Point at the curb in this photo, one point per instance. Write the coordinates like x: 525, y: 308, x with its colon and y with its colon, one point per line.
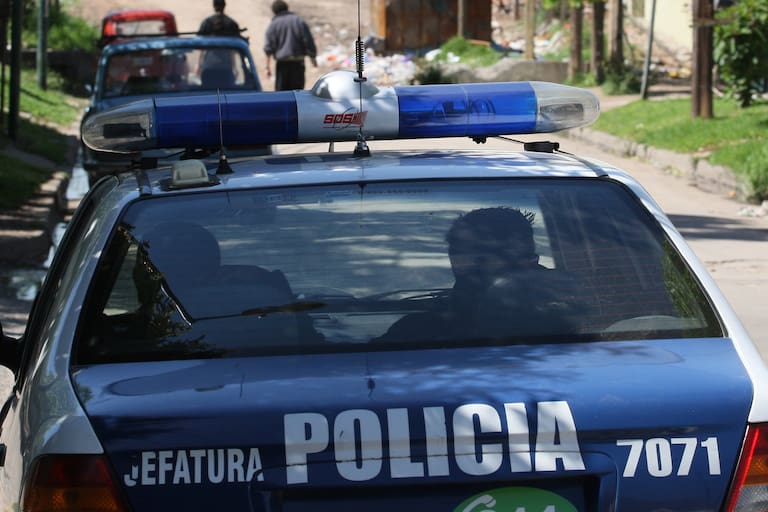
x: 715, y: 179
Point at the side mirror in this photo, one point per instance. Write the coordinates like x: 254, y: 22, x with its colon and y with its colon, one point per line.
x: 10, y: 352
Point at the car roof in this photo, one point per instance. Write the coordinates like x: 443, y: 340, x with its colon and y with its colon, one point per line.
x: 306, y: 169
x: 150, y: 43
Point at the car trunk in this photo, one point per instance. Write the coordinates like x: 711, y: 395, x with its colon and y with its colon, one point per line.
x: 631, y: 426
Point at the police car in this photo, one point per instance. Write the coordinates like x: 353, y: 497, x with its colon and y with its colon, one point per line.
x: 366, y: 329
x: 148, y: 66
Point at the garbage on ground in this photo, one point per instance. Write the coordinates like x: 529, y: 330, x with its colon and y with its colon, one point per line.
x: 387, y: 70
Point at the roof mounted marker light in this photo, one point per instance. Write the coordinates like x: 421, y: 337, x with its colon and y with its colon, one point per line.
x: 331, y: 111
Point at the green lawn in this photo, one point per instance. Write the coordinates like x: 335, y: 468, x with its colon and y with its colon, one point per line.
x: 735, y: 138
x: 45, y: 116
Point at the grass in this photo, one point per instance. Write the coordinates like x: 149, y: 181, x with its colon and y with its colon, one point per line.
x: 735, y: 138
x: 49, y: 106
x: 20, y: 181
x: 43, y: 122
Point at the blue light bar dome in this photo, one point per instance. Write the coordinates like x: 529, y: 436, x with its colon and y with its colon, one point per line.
x: 341, y: 108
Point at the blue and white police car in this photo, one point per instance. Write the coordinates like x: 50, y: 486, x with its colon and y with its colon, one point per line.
x: 367, y: 329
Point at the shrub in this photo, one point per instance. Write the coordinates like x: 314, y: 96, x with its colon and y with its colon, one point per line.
x: 65, y: 32
x: 431, y: 73
x: 622, y: 81
x: 468, y: 52
x: 741, y: 48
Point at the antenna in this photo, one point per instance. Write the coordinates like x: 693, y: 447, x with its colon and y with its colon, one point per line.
x: 361, y: 149
x: 223, y: 167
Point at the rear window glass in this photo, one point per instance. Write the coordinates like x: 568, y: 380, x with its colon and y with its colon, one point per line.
x: 176, y: 69
x: 387, y: 266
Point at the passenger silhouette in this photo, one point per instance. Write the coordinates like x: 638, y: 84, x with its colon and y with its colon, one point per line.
x: 485, y: 247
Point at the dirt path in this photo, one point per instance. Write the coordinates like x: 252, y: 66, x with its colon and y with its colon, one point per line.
x: 333, y: 22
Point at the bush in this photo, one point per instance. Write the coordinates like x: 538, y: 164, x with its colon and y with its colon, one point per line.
x: 468, y: 52
x: 65, y: 32
x: 741, y: 48
x: 622, y: 81
x: 756, y: 170
x: 431, y: 73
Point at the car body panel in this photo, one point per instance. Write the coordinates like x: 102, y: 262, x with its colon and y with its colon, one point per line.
x: 664, y: 395
x: 332, y: 168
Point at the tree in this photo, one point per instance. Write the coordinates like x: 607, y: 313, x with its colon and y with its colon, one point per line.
x: 741, y: 49
x: 530, y: 29
x: 615, y: 39
x: 701, y: 90
x: 597, y: 44
x: 575, y: 61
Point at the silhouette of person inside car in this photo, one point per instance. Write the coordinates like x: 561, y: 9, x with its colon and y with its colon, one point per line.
x: 485, y: 247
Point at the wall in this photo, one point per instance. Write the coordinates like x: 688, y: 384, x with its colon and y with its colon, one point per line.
x: 421, y: 25
x: 672, y: 22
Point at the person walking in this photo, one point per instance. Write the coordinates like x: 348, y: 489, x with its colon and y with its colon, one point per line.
x: 219, y: 24
x: 288, y: 41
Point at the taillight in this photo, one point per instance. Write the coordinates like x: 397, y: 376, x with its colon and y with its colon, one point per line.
x: 749, y: 490
x: 65, y: 483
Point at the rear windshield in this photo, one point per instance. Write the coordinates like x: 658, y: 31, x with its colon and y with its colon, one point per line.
x: 387, y: 266
x: 177, y: 69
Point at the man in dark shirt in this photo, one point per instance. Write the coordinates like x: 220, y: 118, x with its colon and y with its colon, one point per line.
x: 288, y: 40
x: 492, y: 253
x: 219, y: 24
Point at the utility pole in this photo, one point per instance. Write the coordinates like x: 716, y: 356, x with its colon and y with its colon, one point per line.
x: 701, y: 75
x: 648, y: 52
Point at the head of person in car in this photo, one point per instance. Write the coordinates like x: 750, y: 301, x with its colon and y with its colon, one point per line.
x: 490, y: 243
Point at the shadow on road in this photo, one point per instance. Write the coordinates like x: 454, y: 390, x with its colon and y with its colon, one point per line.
x: 701, y: 227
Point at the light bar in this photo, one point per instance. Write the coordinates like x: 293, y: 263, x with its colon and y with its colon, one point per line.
x: 331, y: 111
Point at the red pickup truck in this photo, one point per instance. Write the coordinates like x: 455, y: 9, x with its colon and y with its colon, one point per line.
x: 129, y: 23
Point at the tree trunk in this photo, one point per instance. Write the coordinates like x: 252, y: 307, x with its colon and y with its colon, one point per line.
x: 615, y: 42
x: 530, y: 29
x: 598, y: 41
x: 461, y: 18
x: 577, y: 30
x: 701, y: 87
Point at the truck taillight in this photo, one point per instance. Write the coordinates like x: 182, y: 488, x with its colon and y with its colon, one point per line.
x: 749, y: 490
x: 64, y: 483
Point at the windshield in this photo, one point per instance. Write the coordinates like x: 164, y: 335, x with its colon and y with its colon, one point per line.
x: 177, y: 69
x: 387, y: 266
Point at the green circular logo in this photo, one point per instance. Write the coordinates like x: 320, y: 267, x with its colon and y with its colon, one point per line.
x: 516, y: 499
